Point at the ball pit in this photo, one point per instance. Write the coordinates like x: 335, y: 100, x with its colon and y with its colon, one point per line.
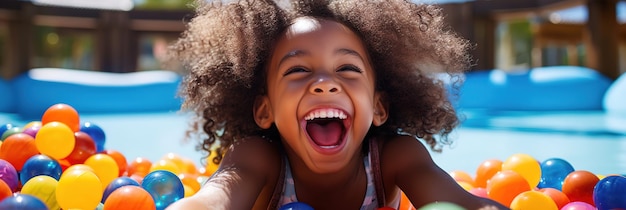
x: 92, y: 177
x: 59, y: 163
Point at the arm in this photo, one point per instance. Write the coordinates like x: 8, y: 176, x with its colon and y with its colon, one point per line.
x: 407, y: 164
x: 244, y: 180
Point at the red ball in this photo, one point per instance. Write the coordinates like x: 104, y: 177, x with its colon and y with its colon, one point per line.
x: 129, y: 197
x: 578, y: 186
x: 84, y: 148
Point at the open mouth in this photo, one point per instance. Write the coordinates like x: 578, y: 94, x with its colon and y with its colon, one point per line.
x: 326, y: 127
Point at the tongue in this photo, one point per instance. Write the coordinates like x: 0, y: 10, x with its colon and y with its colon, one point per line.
x: 327, y: 134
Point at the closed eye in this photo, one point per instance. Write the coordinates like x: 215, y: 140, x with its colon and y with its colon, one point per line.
x: 350, y: 68
x: 295, y: 69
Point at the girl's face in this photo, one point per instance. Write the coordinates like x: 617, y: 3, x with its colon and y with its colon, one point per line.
x: 320, y: 94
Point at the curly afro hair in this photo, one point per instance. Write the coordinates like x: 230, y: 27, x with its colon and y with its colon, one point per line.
x: 226, y: 45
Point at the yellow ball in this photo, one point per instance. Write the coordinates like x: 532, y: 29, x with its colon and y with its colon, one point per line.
x: 43, y: 187
x: 104, y: 166
x: 56, y: 140
x: 79, y: 189
x: 524, y: 165
x: 166, y: 165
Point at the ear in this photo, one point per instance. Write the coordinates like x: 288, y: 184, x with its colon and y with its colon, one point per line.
x: 263, y: 112
x: 381, y: 111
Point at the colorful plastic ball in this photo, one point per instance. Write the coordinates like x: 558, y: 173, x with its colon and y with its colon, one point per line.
x: 441, y: 206
x: 296, y: 206
x: 130, y: 197
x: 5, y: 190
x: 553, y: 172
x: 16, y: 149
x: 22, y: 202
x: 11, y: 131
x: 62, y: 113
x: 84, y: 148
x: 40, y: 165
x: 559, y: 198
x: 119, y: 158
x: 79, y: 183
x: 55, y: 139
x: 505, y: 186
x: 462, y: 176
x: 578, y: 205
x: 190, y: 180
x: 8, y: 174
x: 579, y: 185
x: 610, y: 193
x: 43, y: 187
x: 164, y: 186
x: 139, y: 166
x: 189, y: 167
x: 32, y: 124
x: 117, y: 183
x: 96, y: 133
x: 5, y: 127
x: 485, y: 171
x: 31, y: 131
x: 165, y: 165
x: 104, y: 166
x: 533, y: 200
x: 479, y: 191
x: 524, y: 165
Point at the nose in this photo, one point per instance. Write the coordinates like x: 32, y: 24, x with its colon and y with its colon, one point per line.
x: 324, y: 85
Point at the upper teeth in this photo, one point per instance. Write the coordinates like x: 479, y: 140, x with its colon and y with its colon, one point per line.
x: 326, y: 113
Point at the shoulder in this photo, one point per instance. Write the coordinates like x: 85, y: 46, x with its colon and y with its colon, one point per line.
x: 253, y: 153
x: 400, y: 150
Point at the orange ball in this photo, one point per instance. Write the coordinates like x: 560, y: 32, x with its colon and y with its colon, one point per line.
x: 190, y: 180
x: 557, y: 196
x: 129, y: 197
x: 17, y: 148
x: 578, y: 186
x: 462, y: 176
x: 63, y: 113
x: 119, y: 159
x: 504, y: 186
x: 139, y: 166
x: 5, y: 190
x: 485, y: 171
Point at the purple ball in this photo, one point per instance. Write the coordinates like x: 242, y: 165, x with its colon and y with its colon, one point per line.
x: 8, y: 174
x: 31, y: 131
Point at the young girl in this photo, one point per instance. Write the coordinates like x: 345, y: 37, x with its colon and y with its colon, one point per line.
x: 322, y: 102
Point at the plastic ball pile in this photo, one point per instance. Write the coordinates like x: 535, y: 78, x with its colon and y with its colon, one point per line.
x: 522, y: 182
x: 61, y: 163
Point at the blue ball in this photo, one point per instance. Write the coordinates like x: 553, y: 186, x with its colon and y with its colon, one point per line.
x: 165, y: 188
x: 22, y: 202
x: 40, y: 165
x: 553, y: 173
x: 117, y: 183
x: 96, y: 133
x: 296, y: 206
x: 610, y: 193
x: 5, y: 127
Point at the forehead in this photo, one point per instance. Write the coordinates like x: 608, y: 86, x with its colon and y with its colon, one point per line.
x: 309, y: 33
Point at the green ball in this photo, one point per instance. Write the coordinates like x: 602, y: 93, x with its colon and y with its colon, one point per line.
x: 441, y: 205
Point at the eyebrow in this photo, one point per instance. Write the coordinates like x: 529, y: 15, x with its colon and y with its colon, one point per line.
x: 296, y: 53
